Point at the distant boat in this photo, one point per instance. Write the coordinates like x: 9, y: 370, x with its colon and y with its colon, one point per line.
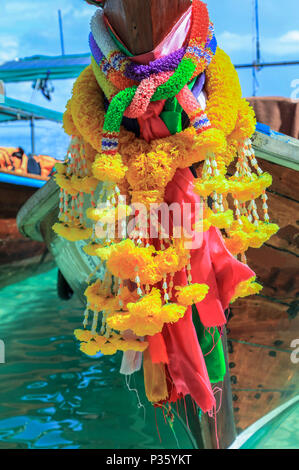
x: 20, y: 257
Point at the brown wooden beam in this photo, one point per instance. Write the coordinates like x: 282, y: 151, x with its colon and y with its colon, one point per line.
x: 142, y: 25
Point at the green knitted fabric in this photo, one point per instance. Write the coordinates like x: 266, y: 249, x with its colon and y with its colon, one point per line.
x: 214, y: 356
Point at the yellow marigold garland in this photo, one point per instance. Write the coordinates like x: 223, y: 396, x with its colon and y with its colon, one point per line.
x: 143, y: 170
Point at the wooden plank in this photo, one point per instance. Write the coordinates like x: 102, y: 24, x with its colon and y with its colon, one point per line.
x: 283, y: 212
x: 251, y: 406
x: 255, y: 367
x: 261, y: 321
x: 12, y: 198
x: 285, y: 180
x: 142, y: 25
x: 277, y: 271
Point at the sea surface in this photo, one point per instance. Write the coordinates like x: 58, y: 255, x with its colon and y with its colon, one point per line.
x: 54, y: 397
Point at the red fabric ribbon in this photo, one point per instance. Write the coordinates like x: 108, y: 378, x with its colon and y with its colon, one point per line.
x: 151, y: 125
x: 211, y: 264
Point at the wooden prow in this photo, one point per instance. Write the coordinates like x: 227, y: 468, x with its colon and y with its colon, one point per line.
x: 143, y: 24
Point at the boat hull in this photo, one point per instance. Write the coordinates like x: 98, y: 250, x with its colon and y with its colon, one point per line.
x: 262, y: 328
x: 20, y: 257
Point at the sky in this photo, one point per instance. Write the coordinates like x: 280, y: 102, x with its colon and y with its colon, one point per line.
x: 30, y: 27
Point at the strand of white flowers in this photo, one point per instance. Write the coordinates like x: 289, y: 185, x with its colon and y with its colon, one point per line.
x: 102, y: 37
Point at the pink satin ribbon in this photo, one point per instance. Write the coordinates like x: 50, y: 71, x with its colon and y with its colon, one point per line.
x: 174, y: 40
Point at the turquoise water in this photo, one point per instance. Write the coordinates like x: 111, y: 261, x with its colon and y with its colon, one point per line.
x: 280, y: 433
x: 52, y: 396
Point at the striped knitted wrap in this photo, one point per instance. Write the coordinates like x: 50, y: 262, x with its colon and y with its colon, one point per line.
x: 133, y: 86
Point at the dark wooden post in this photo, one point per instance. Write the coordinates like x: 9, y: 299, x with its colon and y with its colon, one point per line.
x: 143, y: 24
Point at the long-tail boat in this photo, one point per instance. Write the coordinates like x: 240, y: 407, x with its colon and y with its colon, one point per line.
x: 20, y: 257
x: 260, y: 330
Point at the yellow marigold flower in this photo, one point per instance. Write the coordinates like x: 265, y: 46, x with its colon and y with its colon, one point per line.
x: 221, y: 219
x: 100, y: 340
x: 237, y: 242
x: 205, y: 187
x: 65, y: 183
x: 125, y: 257
x: 92, y: 248
x: 270, y: 229
x: 224, y: 92
x: 97, y: 294
x: 72, y: 232
x: 83, y: 335
x: 265, y: 231
x: 127, y: 296
x: 245, y: 288
x: 173, y: 259
x: 108, y: 349
x: 171, y: 313
x: 211, y: 140
x: 68, y: 123
x: 148, y: 198
x: 149, y: 325
x: 108, y: 88
x: 85, y: 184
x: 143, y: 317
x: 103, y: 252
x: 250, y: 235
x: 249, y: 188
x: 61, y: 167
x: 87, y: 107
x: 91, y: 348
x: 246, y: 122
x: 130, y: 345
x: 149, y: 305
x: 92, y: 213
x: 109, y: 168
x: 109, y: 215
x: 191, y: 294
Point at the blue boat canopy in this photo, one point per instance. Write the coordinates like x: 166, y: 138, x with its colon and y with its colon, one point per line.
x: 15, y: 110
x: 43, y: 67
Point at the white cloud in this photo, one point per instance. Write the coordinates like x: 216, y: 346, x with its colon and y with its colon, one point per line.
x: 286, y: 44
x: 232, y: 42
x: 9, y: 47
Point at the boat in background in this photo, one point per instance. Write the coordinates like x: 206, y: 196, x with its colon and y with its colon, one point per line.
x: 20, y: 257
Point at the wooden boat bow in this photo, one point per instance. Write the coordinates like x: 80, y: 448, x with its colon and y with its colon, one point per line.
x: 142, y: 25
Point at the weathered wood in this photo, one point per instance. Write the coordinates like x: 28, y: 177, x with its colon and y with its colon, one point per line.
x: 278, y: 272
x: 248, y: 409
x: 261, y: 321
x: 256, y: 367
x: 19, y: 256
x: 285, y: 180
x: 142, y: 25
x: 12, y: 198
x: 284, y: 212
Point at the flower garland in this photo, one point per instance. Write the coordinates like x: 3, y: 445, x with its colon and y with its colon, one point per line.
x: 112, y: 62
x: 105, y: 162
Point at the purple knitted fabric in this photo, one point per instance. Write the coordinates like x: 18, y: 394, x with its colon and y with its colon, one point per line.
x: 168, y: 63
x: 95, y: 50
x: 139, y: 72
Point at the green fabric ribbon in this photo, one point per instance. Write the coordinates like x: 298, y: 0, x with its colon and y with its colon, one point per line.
x: 213, y: 355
